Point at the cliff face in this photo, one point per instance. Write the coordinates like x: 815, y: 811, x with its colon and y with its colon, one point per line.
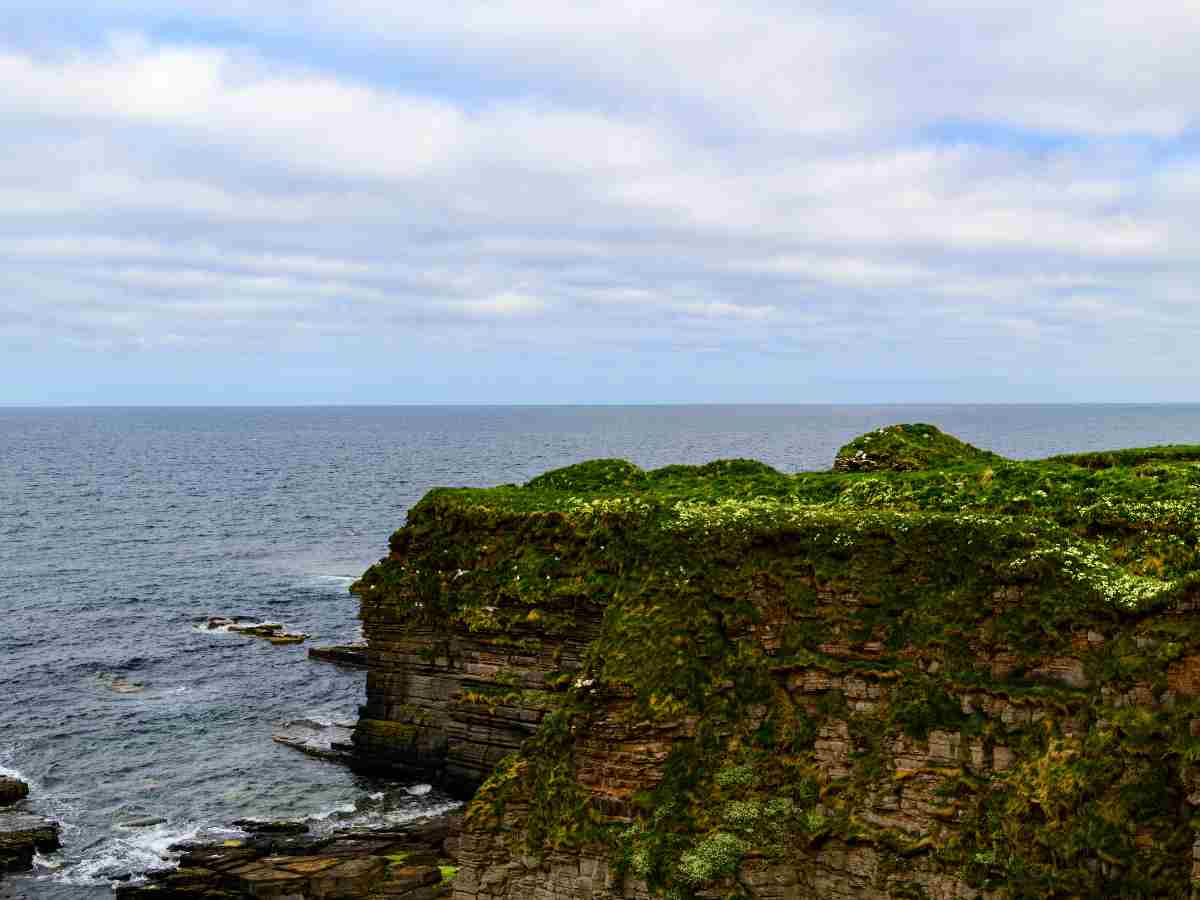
x: 924, y: 674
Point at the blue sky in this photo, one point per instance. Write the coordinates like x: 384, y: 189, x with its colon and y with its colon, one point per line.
x: 526, y: 201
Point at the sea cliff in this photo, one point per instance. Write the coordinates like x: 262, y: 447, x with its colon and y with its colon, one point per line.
x: 928, y: 673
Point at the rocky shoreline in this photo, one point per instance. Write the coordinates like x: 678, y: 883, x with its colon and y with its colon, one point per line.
x: 22, y: 835
x: 927, y: 673
x: 279, y: 860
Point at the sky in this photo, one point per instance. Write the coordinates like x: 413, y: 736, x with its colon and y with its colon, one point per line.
x: 382, y: 201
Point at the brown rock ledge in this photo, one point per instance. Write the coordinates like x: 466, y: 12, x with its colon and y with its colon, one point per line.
x: 353, y: 656
x: 22, y: 835
x: 12, y: 790
x: 413, y: 862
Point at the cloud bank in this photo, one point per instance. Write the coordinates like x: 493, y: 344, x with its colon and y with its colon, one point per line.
x: 525, y: 201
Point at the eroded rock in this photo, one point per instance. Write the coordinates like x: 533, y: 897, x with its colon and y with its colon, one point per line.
x: 12, y: 790
x: 22, y: 835
x: 415, y: 862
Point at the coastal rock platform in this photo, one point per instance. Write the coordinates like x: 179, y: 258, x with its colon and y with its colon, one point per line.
x: 413, y: 862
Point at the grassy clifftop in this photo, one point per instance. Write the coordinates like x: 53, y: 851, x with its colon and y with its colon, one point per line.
x: 936, y: 595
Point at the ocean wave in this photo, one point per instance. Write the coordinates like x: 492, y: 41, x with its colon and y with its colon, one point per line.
x: 385, y: 809
x: 9, y: 772
x: 8, y: 754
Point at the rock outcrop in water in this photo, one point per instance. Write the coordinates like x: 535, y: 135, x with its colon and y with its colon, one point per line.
x: 12, y: 790
x: 939, y: 675
x: 21, y: 835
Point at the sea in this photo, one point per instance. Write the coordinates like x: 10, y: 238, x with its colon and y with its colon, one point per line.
x: 122, y: 530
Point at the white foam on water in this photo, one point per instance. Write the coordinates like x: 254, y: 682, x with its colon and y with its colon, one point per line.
x: 402, y: 817
x: 7, y: 754
x: 337, y: 579
x: 14, y: 773
x: 383, y: 809
x: 203, y: 628
x: 340, y: 809
x: 135, y: 853
x: 44, y: 864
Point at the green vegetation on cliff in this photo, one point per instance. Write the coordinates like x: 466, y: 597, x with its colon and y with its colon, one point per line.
x: 903, y: 448
x: 1028, y: 626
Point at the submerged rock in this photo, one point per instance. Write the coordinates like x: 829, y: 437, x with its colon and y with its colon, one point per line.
x: 12, y: 790
x: 23, y: 835
x: 125, y: 686
x: 147, y: 822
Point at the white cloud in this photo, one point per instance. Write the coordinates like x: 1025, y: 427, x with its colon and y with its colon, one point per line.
x: 648, y: 175
x: 507, y: 304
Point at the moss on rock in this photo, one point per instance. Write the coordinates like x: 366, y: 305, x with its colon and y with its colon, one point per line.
x: 984, y: 671
x: 906, y: 448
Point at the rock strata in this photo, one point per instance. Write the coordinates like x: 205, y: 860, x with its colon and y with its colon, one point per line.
x: 325, y: 740
x: 23, y: 835
x: 415, y: 862
x: 351, y: 655
x: 12, y: 790
x: 932, y: 673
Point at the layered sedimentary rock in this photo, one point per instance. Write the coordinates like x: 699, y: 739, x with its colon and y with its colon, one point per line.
x: 23, y: 835
x: 12, y: 790
x: 929, y: 673
x: 279, y: 861
x: 353, y: 656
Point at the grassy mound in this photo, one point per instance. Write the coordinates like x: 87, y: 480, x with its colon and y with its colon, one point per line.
x: 907, y: 448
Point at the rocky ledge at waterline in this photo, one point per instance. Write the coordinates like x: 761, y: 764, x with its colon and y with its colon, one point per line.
x: 280, y: 860
x: 930, y: 672
x: 21, y: 835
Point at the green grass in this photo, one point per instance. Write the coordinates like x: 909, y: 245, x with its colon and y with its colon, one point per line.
x: 916, y: 549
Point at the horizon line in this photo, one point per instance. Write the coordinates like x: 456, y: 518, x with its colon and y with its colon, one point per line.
x: 527, y: 404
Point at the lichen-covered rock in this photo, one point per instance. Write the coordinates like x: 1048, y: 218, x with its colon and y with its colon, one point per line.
x: 948, y: 676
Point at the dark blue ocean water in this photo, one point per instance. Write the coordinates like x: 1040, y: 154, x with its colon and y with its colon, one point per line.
x: 119, y: 528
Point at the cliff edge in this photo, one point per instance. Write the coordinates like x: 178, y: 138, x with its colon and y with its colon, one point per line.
x: 928, y: 675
